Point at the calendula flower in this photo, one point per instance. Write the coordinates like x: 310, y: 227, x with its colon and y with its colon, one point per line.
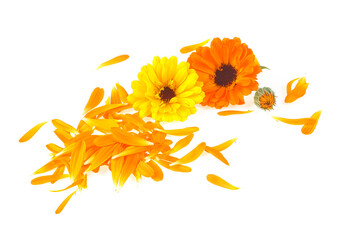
x: 166, y: 90
x: 298, y: 91
x: 265, y: 98
x: 123, y: 142
x: 228, y: 69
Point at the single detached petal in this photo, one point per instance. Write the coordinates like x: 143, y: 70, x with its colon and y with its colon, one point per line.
x: 59, y: 124
x: 122, y: 93
x: 180, y: 132
x: 298, y: 91
x: 145, y: 169
x: 193, y: 47
x: 298, y: 121
x: 182, y: 143
x: 115, y: 60
x: 225, y: 145
x: 232, y: 112
x: 128, y: 138
x: 102, y: 109
x: 70, y: 186
x: 158, y: 174
x: 129, y: 151
x: 214, y: 179
x: 94, y: 100
x: 77, y: 159
x: 27, y: 136
x: 46, y: 179
x: 309, y: 128
x: 192, y: 155
x: 64, y: 203
x: 217, y: 154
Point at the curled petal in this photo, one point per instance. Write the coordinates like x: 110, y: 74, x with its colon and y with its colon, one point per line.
x: 27, y: 136
x: 193, y: 47
x: 309, y: 128
x: 115, y: 60
x: 214, y: 179
x: 298, y: 91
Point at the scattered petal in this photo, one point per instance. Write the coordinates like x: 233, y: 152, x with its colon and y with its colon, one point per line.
x: 225, y: 145
x: 298, y: 91
x: 193, y: 47
x: 180, y: 132
x: 182, y: 143
x: 64, y: 203
x: 309, y: 128
x: 192, y: 155
x: 217, y: 154
x: 27, y: 136
x: 214, y: 179
x: 233, y: 112
x: 94, y: 100
x: 115, y: 60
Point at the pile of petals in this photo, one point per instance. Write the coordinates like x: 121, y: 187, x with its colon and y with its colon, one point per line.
x: 123, y: 142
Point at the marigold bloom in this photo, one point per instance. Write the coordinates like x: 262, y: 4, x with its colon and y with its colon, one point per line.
x: 228, y: 69
x: 298, y: 91
x: 166, y: 90
x: 265, y: 98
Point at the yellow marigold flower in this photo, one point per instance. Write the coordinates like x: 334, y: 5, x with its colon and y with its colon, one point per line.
x: 265, y: 98
x: 298, y: 91
x: 166, y: 90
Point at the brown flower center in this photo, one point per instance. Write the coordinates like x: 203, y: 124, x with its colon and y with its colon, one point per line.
x: 225, y: 75
x: 166, y: 94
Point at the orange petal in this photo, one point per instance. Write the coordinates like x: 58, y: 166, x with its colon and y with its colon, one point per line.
x: 58, y: 173
x: 122, y: 93
x: 116, y: 166
x: 54, y: 148
x: 101, y: 156
x: 181, y: 143
x: 299, y: 121
x: 214, y: 179
x: 27, y: 136
x: 70, y: 186
x: 99, y: 110
x: 180, y: 132
x: 298, y: 91
x: 309, y: 128
x: 192, y: 155
x: 232, y: 112
x: 129, y: 151
x: 128, y: 138
x: 64, y: 136
x: 216, y: 154
x: 94, y: 100
x: 104, y: 140
x: 48, y: 167
x: 224, y: 145
x: 77, y: 159
x: 64, y: 203
x: 158, y: 174
x: 103, y: 125
x: 193, y: 47
x: 115, y: 60
x: 145, y: 169
x: 46, y: 179
x: 59, y: 124
x: 129, y: 167
x: 175, y: 168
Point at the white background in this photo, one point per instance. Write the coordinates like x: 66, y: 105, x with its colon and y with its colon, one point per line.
x: 290, y: 184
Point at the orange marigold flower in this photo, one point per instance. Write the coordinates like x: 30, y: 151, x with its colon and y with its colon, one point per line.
x: 228, y: 69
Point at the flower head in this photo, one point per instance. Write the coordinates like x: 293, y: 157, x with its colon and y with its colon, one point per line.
x: 166, y: 90
x: 265, y: 98
x: 228, y: 69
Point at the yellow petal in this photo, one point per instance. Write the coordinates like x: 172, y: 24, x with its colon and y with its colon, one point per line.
x: 48, y: 167
x: 181, y: 143
x: 145, y: 169
x: 128, y: 138
x: 103, y: 125
x: 58, y: 173
x: 216, y: 154
x: 309, y: 128
x: 224, y: 145
x: 102, y: 155
x: 64, y: 203
x: 129, y: 167
x: 64, y: 136
x: 27, y: 136
x: 116, y: 166
x: 192, y: 155
x: 54, y: 148
x: 298, y: 121
x: 214, y: 179
x: 232, y: 112
x: 175, y: 168
x: 193, y: 47
x: 77, y: 159
x: 115, y: 60
x: 180, y: 132
x: 59, y: 124
x: 94, y: 100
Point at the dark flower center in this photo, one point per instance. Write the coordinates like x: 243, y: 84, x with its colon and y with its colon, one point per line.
x: 166, y: 94
x: 225, y: 75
